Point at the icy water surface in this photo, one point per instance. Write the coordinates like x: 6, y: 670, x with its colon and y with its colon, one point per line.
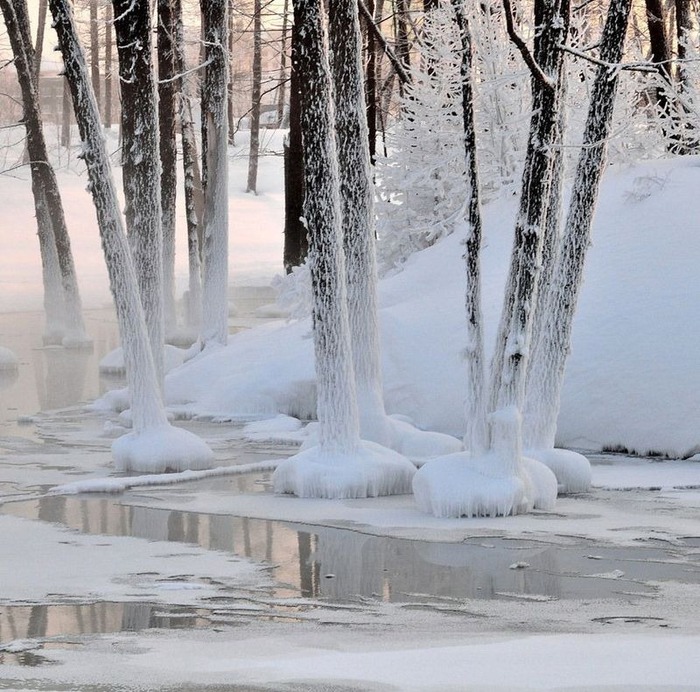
x: 340, y: 565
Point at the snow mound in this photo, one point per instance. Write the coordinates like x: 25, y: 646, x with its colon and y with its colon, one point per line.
x: 572, y: 470
x: 8, y: 360
x: 418, y: 444
x: 159, y: 449
x: 279, y: 429
x: 459, y: 485
x: 369, y: 471
x: 113, y: 362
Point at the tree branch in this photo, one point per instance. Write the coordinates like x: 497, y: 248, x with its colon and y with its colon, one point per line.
x: 530, y: 61
x: 404, y: 76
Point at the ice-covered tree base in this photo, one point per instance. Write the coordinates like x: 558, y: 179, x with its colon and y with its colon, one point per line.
x: 77, y: 340
x: 459, y: 485
x: 368, y: 471
x: 160, y: 449
x: 400, y: 435
x: 572, y: 470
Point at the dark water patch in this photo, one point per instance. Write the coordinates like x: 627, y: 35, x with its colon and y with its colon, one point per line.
x: 342, y: 566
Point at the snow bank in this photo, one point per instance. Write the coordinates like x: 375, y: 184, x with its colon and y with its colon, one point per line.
x: 632, y: 380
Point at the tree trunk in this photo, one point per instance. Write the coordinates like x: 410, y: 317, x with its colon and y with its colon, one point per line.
x: 508, y: 368
x: 39, y: 45
x: 231, y: 114
x: 62, y: 297
x: 194, y: 195
x: 296, y: 244
x: 337, y: 406
x: 108, y: 66
x: 371, y: 87
x: 146, y: 403
x: 95, y: 52
x: 548, y: 370
x: 475, y: 439
x: 282, y: 90
x: 167, y: 96
x: 254, y: 151
x: 66, y: 115
x: 215, y: 236
x: 357, y: 215
x: 403, y: 49
x: 140, y: 161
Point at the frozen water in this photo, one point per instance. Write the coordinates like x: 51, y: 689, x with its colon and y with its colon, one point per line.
x: 8, y: 360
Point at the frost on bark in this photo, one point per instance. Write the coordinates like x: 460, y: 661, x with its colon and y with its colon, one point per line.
x: 548, y: 367
x: 140, y: 161
x: 154, y: 445
x: 64, y: 319
x: 167, y: 110
x: 215, y: 127
x: 341, y: 465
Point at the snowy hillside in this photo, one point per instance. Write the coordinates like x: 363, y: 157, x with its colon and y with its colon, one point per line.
x: 633, y: 378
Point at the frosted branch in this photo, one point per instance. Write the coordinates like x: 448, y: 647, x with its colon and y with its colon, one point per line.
x: 182, y: 75
x: 401, y: 73
x: 529, y: 59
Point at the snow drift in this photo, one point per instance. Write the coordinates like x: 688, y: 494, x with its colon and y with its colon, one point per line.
x: 632, y: 380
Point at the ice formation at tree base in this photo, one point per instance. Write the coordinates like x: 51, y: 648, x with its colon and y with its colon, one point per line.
x: 397, y: 433
x: 459, y: 485
x: 572, y: 470
x: 368, y: 471
x: 160, y: 449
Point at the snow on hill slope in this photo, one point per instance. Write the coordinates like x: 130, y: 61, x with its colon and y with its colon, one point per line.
x: 633, y: 379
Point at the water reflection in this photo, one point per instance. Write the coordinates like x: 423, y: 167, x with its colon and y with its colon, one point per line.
x: 22, y: 622
x: 342, y: 565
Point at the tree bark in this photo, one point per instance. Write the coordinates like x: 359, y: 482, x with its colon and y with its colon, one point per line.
x: 109, y: 46
x: 95, y: 52
x: 282, y: 90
